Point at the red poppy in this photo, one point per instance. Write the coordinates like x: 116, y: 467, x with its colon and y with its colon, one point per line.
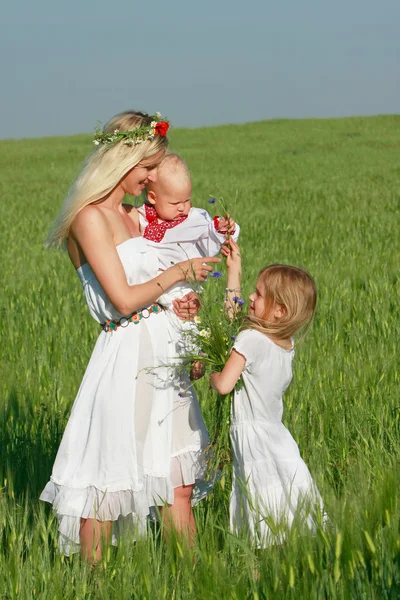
x: 162, y: 128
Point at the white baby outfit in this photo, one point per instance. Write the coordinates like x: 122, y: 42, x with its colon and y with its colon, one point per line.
x: 270, y: 479
x: 193, y: 236
x: 135, y: 431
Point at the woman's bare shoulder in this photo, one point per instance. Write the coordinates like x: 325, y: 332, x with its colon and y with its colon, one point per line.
x: 90, y: 217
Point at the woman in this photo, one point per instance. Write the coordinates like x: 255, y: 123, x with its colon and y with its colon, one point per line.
x: 135, y: 437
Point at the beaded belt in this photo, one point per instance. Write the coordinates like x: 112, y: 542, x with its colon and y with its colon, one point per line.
x: 134, y: 318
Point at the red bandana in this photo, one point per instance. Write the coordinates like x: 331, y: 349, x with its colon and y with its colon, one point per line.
x: 155, y: 231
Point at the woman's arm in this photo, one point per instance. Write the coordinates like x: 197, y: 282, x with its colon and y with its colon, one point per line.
x: 225, y: 381
x: 93, y: 234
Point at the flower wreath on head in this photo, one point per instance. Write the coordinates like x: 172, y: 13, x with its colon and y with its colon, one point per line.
x: 134, y: 136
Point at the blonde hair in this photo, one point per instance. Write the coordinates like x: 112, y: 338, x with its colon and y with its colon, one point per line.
x: 294, y: 289
x: 171, y: 165
x: 104, y: 169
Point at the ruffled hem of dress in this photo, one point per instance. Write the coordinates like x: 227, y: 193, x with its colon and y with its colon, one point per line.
x: 128, y: 508
x: 249, y: 511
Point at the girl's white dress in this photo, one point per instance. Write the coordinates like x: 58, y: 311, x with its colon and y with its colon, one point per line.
x: 270, y: 479
x: 135, y: 431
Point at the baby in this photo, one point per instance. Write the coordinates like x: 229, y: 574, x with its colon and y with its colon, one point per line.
x: 171, y: 225
x: 177, y: 230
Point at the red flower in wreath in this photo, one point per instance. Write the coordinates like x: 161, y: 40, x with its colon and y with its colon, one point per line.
x: 162, y: 128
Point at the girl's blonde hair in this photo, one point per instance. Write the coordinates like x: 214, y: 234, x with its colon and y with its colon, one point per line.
x: 104, y: 170
x: 294, y: 289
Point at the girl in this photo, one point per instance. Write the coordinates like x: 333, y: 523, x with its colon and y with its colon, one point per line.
x: 130, y: 443
x: 270, y: 480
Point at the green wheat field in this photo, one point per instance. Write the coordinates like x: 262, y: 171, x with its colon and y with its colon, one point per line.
x: 324, y: 194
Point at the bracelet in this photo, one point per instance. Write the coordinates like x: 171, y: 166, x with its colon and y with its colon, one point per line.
x: 234, y: 290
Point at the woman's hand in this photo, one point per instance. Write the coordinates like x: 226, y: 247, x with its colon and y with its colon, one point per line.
x: 196, y: 269
x: 187, y: 308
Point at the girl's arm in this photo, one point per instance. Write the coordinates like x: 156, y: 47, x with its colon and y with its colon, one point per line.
x: 233, y: 296
x: 93, y: 234
x: 225, y: 381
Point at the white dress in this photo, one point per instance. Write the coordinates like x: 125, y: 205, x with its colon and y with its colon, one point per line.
x: 270, y: 479
x: 135, y: 431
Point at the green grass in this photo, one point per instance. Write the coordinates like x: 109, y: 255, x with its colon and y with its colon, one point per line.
x: 323, y: 194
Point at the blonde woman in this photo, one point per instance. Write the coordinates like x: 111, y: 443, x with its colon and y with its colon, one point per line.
x: 134, y: 440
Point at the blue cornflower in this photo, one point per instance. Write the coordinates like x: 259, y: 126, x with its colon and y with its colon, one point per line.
x: 180, y: 395
x: 233, y: 337
x: 212, y: 201
x: 216, y: 274
x: 238, y: 301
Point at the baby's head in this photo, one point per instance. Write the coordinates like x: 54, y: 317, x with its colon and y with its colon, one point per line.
x: 284, y: 301
x: 170, y: 193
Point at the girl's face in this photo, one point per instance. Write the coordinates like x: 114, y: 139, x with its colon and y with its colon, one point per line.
x: 135, y: 180
x: 257, y: 302
x: 258, y: 306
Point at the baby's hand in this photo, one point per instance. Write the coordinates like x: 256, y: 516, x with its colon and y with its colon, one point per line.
x: 197, y: 370
x: 187, y: 308
x: 225, y: 224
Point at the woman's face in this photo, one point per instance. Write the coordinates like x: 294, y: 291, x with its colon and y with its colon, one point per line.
x: 135, y: 180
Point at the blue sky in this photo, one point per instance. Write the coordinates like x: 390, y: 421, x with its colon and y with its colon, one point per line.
x: 66, y: 66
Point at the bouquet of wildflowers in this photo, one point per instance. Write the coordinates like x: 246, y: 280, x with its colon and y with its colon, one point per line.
x: 210, y: 343
x: 214, y: 338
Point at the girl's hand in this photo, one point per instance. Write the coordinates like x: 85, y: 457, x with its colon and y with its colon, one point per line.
x: 197, y: 370
x: 196, y: 269
x: 232, y: 252
x: 187, y: 308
